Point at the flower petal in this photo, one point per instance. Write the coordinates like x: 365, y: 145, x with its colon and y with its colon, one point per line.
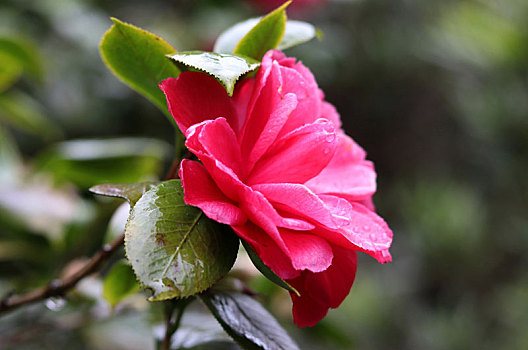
x: 194, y: 97
x: 329, y: 112
x: 261, y: 212
x: 225, y: 178
x: 244, y: 90
x: 298, y: 156
x: 201, y: 191
x: 299, y: 80
x: 218, y: 140
x: 268, y: 251
x: 306, y: 251
x: 347, y: 175
x: 269, y: 134
x: 366, y: 231
x: 268, y: 110
x: 300, y: 200
x: 323, y: 290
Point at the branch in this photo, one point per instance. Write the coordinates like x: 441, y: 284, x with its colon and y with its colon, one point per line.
x: 62, y: 286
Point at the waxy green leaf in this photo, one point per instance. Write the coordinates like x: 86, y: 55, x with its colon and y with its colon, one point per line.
x: 266, y: 271
x: 131, y: 192
x: 137, y: 57
x: 296, y: 33
x: 226, y: 68
x: 119, y: 283
x: 174, y: 249
x: 248, y: 322
x: 267, y: 34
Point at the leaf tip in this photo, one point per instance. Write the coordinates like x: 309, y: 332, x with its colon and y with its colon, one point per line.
x: 284, y: 5
x: 116, y: 20
x: 95, y: 189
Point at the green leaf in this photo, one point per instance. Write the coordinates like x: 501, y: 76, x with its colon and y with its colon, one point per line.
x: 174, y: 249
x: 264, y: 36
x: 10, y: 71
x: 137, y: 57
x: 248, y: 322
x: 226, y: 68
x: 131, y: 192
x: 266, y: 271
x: 86, y: 163
x: 25, y: 113
x: 25, y: 53
x: 119, y: 283
x: 296, y: 33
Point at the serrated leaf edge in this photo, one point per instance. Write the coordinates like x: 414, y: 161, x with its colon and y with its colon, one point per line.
x: 116, y: 24
x: 217, y: 78
x: 161, y: 296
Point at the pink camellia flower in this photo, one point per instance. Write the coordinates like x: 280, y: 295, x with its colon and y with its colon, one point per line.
x: 276, y: 167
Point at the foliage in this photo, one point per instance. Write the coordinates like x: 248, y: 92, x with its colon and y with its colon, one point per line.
x: 138, y: 58
x: 248, y: 322
x: 225, y: 68
x: 175, y: 250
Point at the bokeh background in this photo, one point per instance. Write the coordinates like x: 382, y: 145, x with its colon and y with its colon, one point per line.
x: 436, y: 91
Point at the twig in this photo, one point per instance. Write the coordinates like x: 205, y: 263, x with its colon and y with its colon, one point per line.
x: 172, y: 326
x: 166, y: 344
x: 60, y: 287
x: 175, y: 166
x: 173, y: 171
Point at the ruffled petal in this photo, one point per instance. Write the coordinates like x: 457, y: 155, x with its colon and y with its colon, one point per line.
x: 194, y: 97
x: 303, y: 251
x: 329, y: 112
x: 300, y: 200
x: 201, y: 191
x: 347, y: 175
x: 270, y: 131
x: 241, y: 97
x: 366, y: 231
x: 268, y: 110
x: 298, y: 79
x: 298, y: 156
x: 306, y: 251
x: 266, y: 97
x: 268, y: 251
x: 216, y: 139
x: 323, y: 290
x: 225, y: 178
x: 261, y: 212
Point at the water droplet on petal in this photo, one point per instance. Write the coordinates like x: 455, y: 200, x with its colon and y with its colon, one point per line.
x: 355, y: 229
x: 366, y: 228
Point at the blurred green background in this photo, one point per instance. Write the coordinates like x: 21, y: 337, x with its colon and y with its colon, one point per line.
x: 436, y: 91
